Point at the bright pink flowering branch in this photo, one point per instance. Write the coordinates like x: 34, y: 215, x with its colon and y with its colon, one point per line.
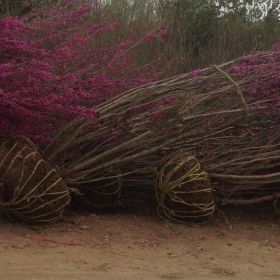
x: 55, y: 65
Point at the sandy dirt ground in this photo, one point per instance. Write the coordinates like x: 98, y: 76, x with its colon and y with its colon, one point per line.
x: 139, y: 247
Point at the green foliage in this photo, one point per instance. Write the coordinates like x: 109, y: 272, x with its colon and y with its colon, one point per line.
x: 193, y: 25
x: 206, y: 32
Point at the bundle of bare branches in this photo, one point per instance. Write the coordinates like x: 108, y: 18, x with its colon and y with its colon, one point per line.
x: 30, y: 189
x: 183, y: 190
x: 226, y: 116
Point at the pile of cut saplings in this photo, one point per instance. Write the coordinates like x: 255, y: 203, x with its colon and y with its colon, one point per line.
x: 184, y: 144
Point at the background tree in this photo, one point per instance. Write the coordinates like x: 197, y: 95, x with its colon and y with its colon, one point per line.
x: 201, y: 32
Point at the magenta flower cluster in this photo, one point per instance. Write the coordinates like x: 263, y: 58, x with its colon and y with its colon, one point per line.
x: 58, y: 63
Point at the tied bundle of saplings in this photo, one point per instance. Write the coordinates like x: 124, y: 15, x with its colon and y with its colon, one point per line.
x: 136, y: 129
x: 183, y: 189
x: 243, y: 166
x: 243, y: 163
x: 31, y: 190
x: 250, y: 170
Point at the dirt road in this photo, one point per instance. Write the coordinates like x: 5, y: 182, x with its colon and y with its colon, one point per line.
x: 138, y: 247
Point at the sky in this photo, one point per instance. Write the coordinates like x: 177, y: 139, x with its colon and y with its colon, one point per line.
x: 261, y: 6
